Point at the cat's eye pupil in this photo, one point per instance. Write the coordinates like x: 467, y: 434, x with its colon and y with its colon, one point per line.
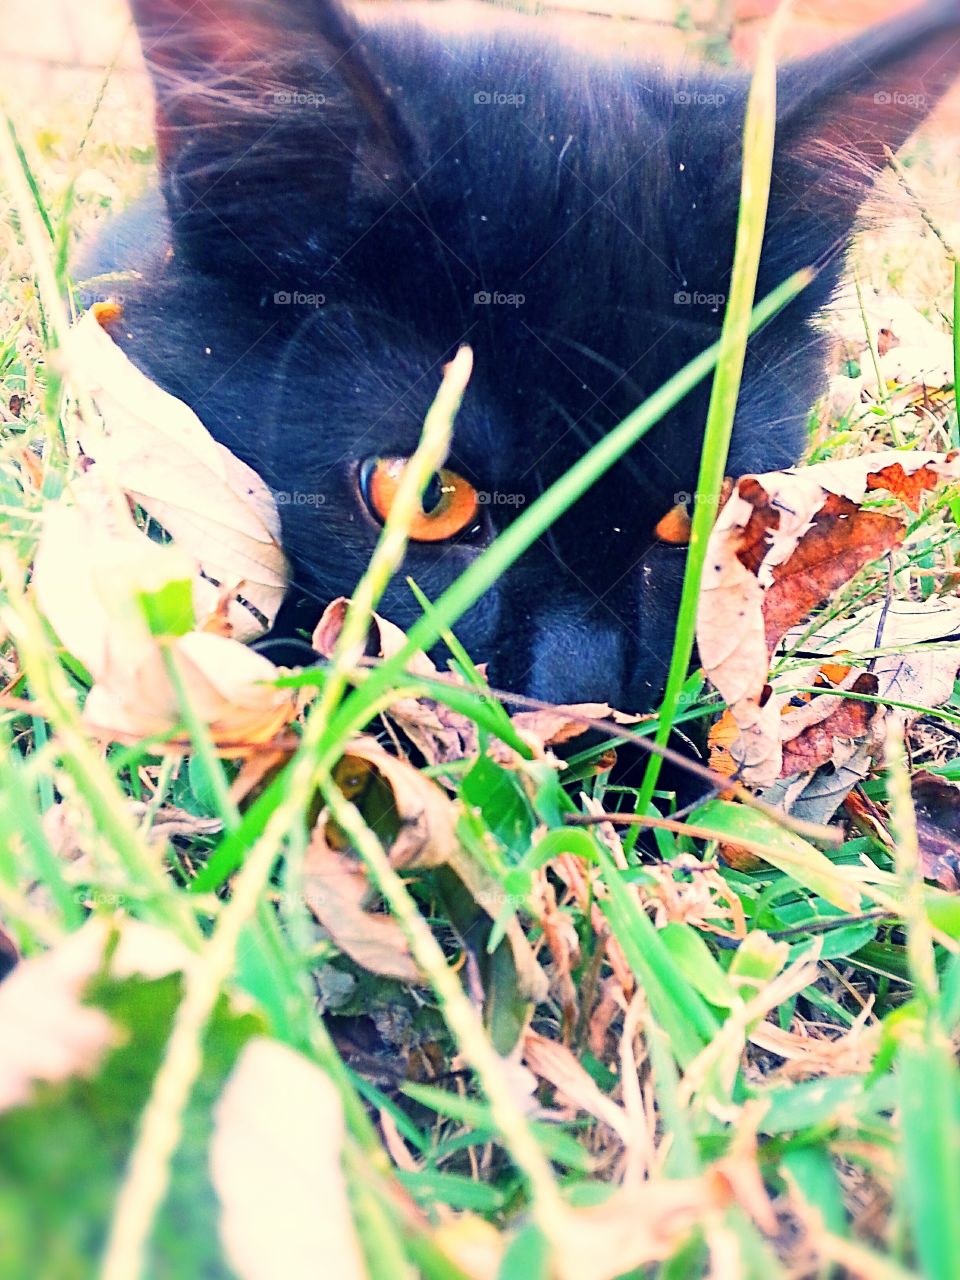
x: 433, y: 494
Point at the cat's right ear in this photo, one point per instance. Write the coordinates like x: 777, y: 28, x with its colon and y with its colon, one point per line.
x: 267, y: 110
x: 840, y: 114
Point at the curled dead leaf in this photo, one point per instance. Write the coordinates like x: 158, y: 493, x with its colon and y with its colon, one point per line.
x: 411, y: 815
x: 811, y: 732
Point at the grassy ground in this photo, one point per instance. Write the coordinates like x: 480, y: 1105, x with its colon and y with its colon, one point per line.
x: 603, y: 1062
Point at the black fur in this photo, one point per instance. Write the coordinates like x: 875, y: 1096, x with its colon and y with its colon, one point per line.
x: 603, y: 197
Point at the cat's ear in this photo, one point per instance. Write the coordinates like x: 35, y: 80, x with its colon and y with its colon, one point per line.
x: 840, y: 112
x: 269, y: 112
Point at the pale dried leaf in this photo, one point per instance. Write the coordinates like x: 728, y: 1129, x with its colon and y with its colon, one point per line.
x: 158, y: 451
x: 49, y: 1034
x: 275, y: 1161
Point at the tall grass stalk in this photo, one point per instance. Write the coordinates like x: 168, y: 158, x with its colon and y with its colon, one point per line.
x: 758, y: 143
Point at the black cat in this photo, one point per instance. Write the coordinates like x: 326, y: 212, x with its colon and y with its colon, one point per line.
x: 344, y: 201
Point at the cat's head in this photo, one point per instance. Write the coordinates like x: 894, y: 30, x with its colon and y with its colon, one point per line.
x: 350, y: 201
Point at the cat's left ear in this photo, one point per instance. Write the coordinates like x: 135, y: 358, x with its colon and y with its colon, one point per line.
x: 840, y: 111
x: 274, y: 126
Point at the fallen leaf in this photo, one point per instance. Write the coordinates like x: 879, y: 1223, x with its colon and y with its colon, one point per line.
x: 811, y: 732
x: 553, y: 726
x: 49, y: 1034
x: 781, y: 545
x: 816, y: 797
x: 277, y: 1170
x: 885, y: 623
x: 937, y: 805
x: 336, y: 890
x: 94, y: 577
x: 412, y: 816
x: 156, y: 450
x: 416, y: 821
x: 229, y: 687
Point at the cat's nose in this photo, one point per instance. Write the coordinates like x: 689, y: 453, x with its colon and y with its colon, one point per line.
x: 575, y: 657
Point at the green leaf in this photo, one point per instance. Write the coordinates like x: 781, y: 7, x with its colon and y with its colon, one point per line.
x: 455, y: 1190
x: 556, y: 1143
x: 698, y: 964
x: 169, y: 609
x: 527, y: 1258
x: 928, y: 1080
x: 813, y: 1172
x: 677, y: 1007
x: 789, y: 853
x: 66, y: 1149
x: 825, y: 1104
x: 497, y: 793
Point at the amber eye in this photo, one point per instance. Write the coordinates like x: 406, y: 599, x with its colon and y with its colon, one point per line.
x: 450, y: 504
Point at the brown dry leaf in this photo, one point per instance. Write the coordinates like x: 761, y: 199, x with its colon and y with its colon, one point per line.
x: 814, y: 1053
x: 705, y: 900
x: 277, y: 1170
x: 867, y: 818
x: 563, y: 943
x: 258, y: 771
x: 336, y: 890
x: 937, y: 805
x: 416, y: 822
x: 229, y: 687
x: 157, y: 451
x: 782, y: 544
x: 723, y: 734
x: 556, y: 1064
x: 552, y: 726
x: 811, y: 732
x: 384, y: 638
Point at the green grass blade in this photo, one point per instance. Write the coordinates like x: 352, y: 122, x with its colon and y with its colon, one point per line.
x: 759, y: 128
